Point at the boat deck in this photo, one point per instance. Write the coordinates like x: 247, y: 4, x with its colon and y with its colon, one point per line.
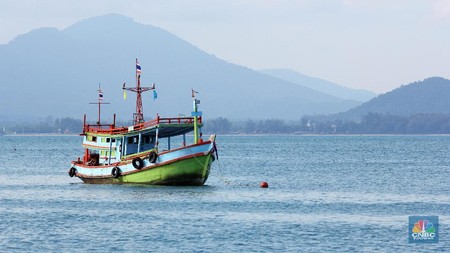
x: 167, y: 127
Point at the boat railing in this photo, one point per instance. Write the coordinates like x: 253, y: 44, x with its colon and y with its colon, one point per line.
x: 96, y: 128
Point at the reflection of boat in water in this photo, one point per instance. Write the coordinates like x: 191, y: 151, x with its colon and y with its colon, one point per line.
x: 131, y: 154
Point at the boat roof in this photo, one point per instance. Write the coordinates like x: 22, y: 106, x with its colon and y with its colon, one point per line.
x: 166, y: 127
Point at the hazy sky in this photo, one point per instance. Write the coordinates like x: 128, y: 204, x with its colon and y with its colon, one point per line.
x: 371, y: 44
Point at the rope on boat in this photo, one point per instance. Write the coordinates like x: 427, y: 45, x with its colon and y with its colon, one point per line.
x: 220, y: 175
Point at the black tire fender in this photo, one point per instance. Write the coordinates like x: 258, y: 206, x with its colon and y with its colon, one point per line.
x: 137, y: 163
x: 115, y: 172
x: 152, y: 157
x: 72, y: 172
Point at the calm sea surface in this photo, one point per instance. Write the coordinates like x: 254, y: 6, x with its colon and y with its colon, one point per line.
x: 326, y: 193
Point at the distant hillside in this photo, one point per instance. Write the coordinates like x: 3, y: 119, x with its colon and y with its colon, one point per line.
x: 321, y: 85
x: 431, y: 95
x: 52, y: 72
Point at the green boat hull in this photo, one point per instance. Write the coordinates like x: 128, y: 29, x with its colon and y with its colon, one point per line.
x: 190, y: 171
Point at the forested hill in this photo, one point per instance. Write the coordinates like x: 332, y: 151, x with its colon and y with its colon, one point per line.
x: 57, y: 72
x: 431, y: 95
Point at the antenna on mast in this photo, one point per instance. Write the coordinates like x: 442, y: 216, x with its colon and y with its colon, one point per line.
x: 100, y: 102
x: 138, y: 116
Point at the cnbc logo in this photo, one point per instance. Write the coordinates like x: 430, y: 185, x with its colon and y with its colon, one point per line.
x: 423, y: 229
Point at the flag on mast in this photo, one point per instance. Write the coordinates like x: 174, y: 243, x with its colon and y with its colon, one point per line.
x: 124, y: 92
x: 138, y: 67
x: 100, y: 93
x: 193, y: 92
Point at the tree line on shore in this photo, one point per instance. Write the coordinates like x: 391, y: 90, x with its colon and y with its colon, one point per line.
x: 64, y: 125
x: 371, y: 123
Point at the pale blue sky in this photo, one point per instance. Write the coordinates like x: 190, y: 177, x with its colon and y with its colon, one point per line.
x: 371, y: 44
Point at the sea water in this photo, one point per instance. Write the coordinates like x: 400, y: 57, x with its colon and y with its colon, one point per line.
x: 326, y: 193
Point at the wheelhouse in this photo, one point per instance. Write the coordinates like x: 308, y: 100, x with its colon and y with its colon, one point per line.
x: 106, y: 146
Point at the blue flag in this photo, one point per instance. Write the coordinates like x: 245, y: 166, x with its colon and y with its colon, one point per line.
x: 155, y: 95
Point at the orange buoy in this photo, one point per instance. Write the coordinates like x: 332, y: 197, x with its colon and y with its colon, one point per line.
x: 264, y: 184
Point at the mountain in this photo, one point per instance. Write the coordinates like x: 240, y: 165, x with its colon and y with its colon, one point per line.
x: 321, y: 85
x: 431, y: 95
x: 53, y: 72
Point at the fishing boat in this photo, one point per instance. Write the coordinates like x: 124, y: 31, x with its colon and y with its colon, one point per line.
x: 135, y: 153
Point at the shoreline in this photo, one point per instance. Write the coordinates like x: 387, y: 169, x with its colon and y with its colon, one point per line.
x: 40, y: 134
x: 234, y: 134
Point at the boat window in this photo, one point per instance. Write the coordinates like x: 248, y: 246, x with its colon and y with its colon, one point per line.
x: 106, y: 153
x: 133, y: 140
x: 91, y: 138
